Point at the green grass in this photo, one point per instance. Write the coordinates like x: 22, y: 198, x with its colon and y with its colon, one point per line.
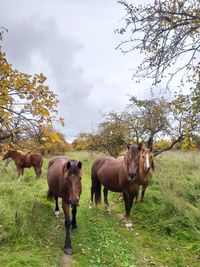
x: 166, y: 230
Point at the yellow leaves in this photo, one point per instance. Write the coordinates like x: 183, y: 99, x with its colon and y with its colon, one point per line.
x: 45, y: 112
x: 188, y: 144
x: 27, y: 93
x: 62, y: 121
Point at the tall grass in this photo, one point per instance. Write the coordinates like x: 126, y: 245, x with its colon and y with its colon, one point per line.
x: 166, y: 229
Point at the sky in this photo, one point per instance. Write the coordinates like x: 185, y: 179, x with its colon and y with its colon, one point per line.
x: 73, y: 44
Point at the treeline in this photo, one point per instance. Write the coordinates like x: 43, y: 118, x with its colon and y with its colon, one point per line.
x: 159, y: 123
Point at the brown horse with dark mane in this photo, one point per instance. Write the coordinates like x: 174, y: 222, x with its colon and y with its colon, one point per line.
x: 64, y: 181
x: 120, y: 176
x: 25, y: 160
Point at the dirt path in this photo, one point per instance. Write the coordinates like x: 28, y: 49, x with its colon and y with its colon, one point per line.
x: 67, y: 260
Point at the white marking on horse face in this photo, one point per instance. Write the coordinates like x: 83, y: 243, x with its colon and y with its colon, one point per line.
x: 147, y: 162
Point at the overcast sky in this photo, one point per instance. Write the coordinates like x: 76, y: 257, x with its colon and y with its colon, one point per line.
x: 73, y: 44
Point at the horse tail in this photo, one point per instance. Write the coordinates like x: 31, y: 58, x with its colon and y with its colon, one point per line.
x: 96, y: 186
x: 50, y: 195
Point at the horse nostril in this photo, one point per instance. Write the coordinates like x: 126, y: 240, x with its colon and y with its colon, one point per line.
x: 133, y: 175
x: 73, y: 202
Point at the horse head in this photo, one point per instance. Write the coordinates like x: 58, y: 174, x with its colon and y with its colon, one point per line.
x: 146, y: 160
x: 7, y: 154
x: 72, y: 172
x: 131, y: 160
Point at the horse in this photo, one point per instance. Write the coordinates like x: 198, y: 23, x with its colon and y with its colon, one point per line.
x: 146, y: 168
x: 64, y: 181
x: 25, y: 160
x: 117, y: 176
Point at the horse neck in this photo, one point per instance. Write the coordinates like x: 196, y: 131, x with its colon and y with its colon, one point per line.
x: 13, y: 155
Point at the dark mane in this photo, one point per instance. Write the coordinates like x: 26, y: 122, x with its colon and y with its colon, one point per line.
x: 74, y: 168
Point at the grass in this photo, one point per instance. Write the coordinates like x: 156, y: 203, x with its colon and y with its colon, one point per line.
x: 166, y: 229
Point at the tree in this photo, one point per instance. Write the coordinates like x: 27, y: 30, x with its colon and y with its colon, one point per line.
x: 25, y: 101
x: 155, y: 120
x: 163, y: 31
x: 110, y: 137
x: 147, y: 120
x: 46, y: 141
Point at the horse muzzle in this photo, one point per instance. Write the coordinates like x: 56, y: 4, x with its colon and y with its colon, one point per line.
x: 132, y: 176
x: 74, y: 202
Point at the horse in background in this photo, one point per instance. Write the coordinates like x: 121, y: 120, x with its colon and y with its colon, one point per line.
x: 64, y: 181
x: 25, y: 160
x: 117, y: 176
x: 146, y: 169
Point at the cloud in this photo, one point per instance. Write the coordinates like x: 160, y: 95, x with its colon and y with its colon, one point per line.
x: 34, y: 45
x: 73, y: 44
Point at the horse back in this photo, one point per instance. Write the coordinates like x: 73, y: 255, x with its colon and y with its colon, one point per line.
x: 33, y: 159
x: 108, y: 171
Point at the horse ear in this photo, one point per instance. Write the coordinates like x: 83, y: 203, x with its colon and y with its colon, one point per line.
x: 128, y: 146
x: 79, y: 165
x: 140, y: 146
x: 69, y: 165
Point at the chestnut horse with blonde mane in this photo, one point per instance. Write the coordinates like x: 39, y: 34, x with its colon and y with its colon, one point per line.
x: 121, y: 175
x: 146, y: 169
x: 25, y: 160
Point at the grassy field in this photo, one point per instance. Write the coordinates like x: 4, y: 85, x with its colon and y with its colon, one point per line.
x: 166, y: 230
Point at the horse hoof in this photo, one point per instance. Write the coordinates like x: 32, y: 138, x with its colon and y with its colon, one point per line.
x: 74, y: 230
x: 57, y: 213
x: 68, y: 251
x: 91, y: 205
x: 129, y: 225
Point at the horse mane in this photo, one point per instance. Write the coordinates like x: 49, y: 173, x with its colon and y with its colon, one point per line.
x: 74, y: 168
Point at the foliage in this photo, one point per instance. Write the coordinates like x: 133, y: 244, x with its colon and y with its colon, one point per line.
x: 25, y: 101
x: 163, y: 31
x: 110, y: 137
x: 148, y: 121
x: 188, y: 144
x: 46, y: 141
x: 51, y: 141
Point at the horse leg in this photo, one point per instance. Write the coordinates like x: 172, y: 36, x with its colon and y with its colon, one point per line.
x: 39, y: 172
x: 92, y: 196
x: 95, y: 188
x: 143, y: 192
x: 67, y: 246
x: 18, y: 171
x: 105, y: 193
x: 74, y: 225
x: 36, y: 172
x: 22, y: 171
x: 128, y: 201
x: 136, y: 197
x: 57, y: 207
